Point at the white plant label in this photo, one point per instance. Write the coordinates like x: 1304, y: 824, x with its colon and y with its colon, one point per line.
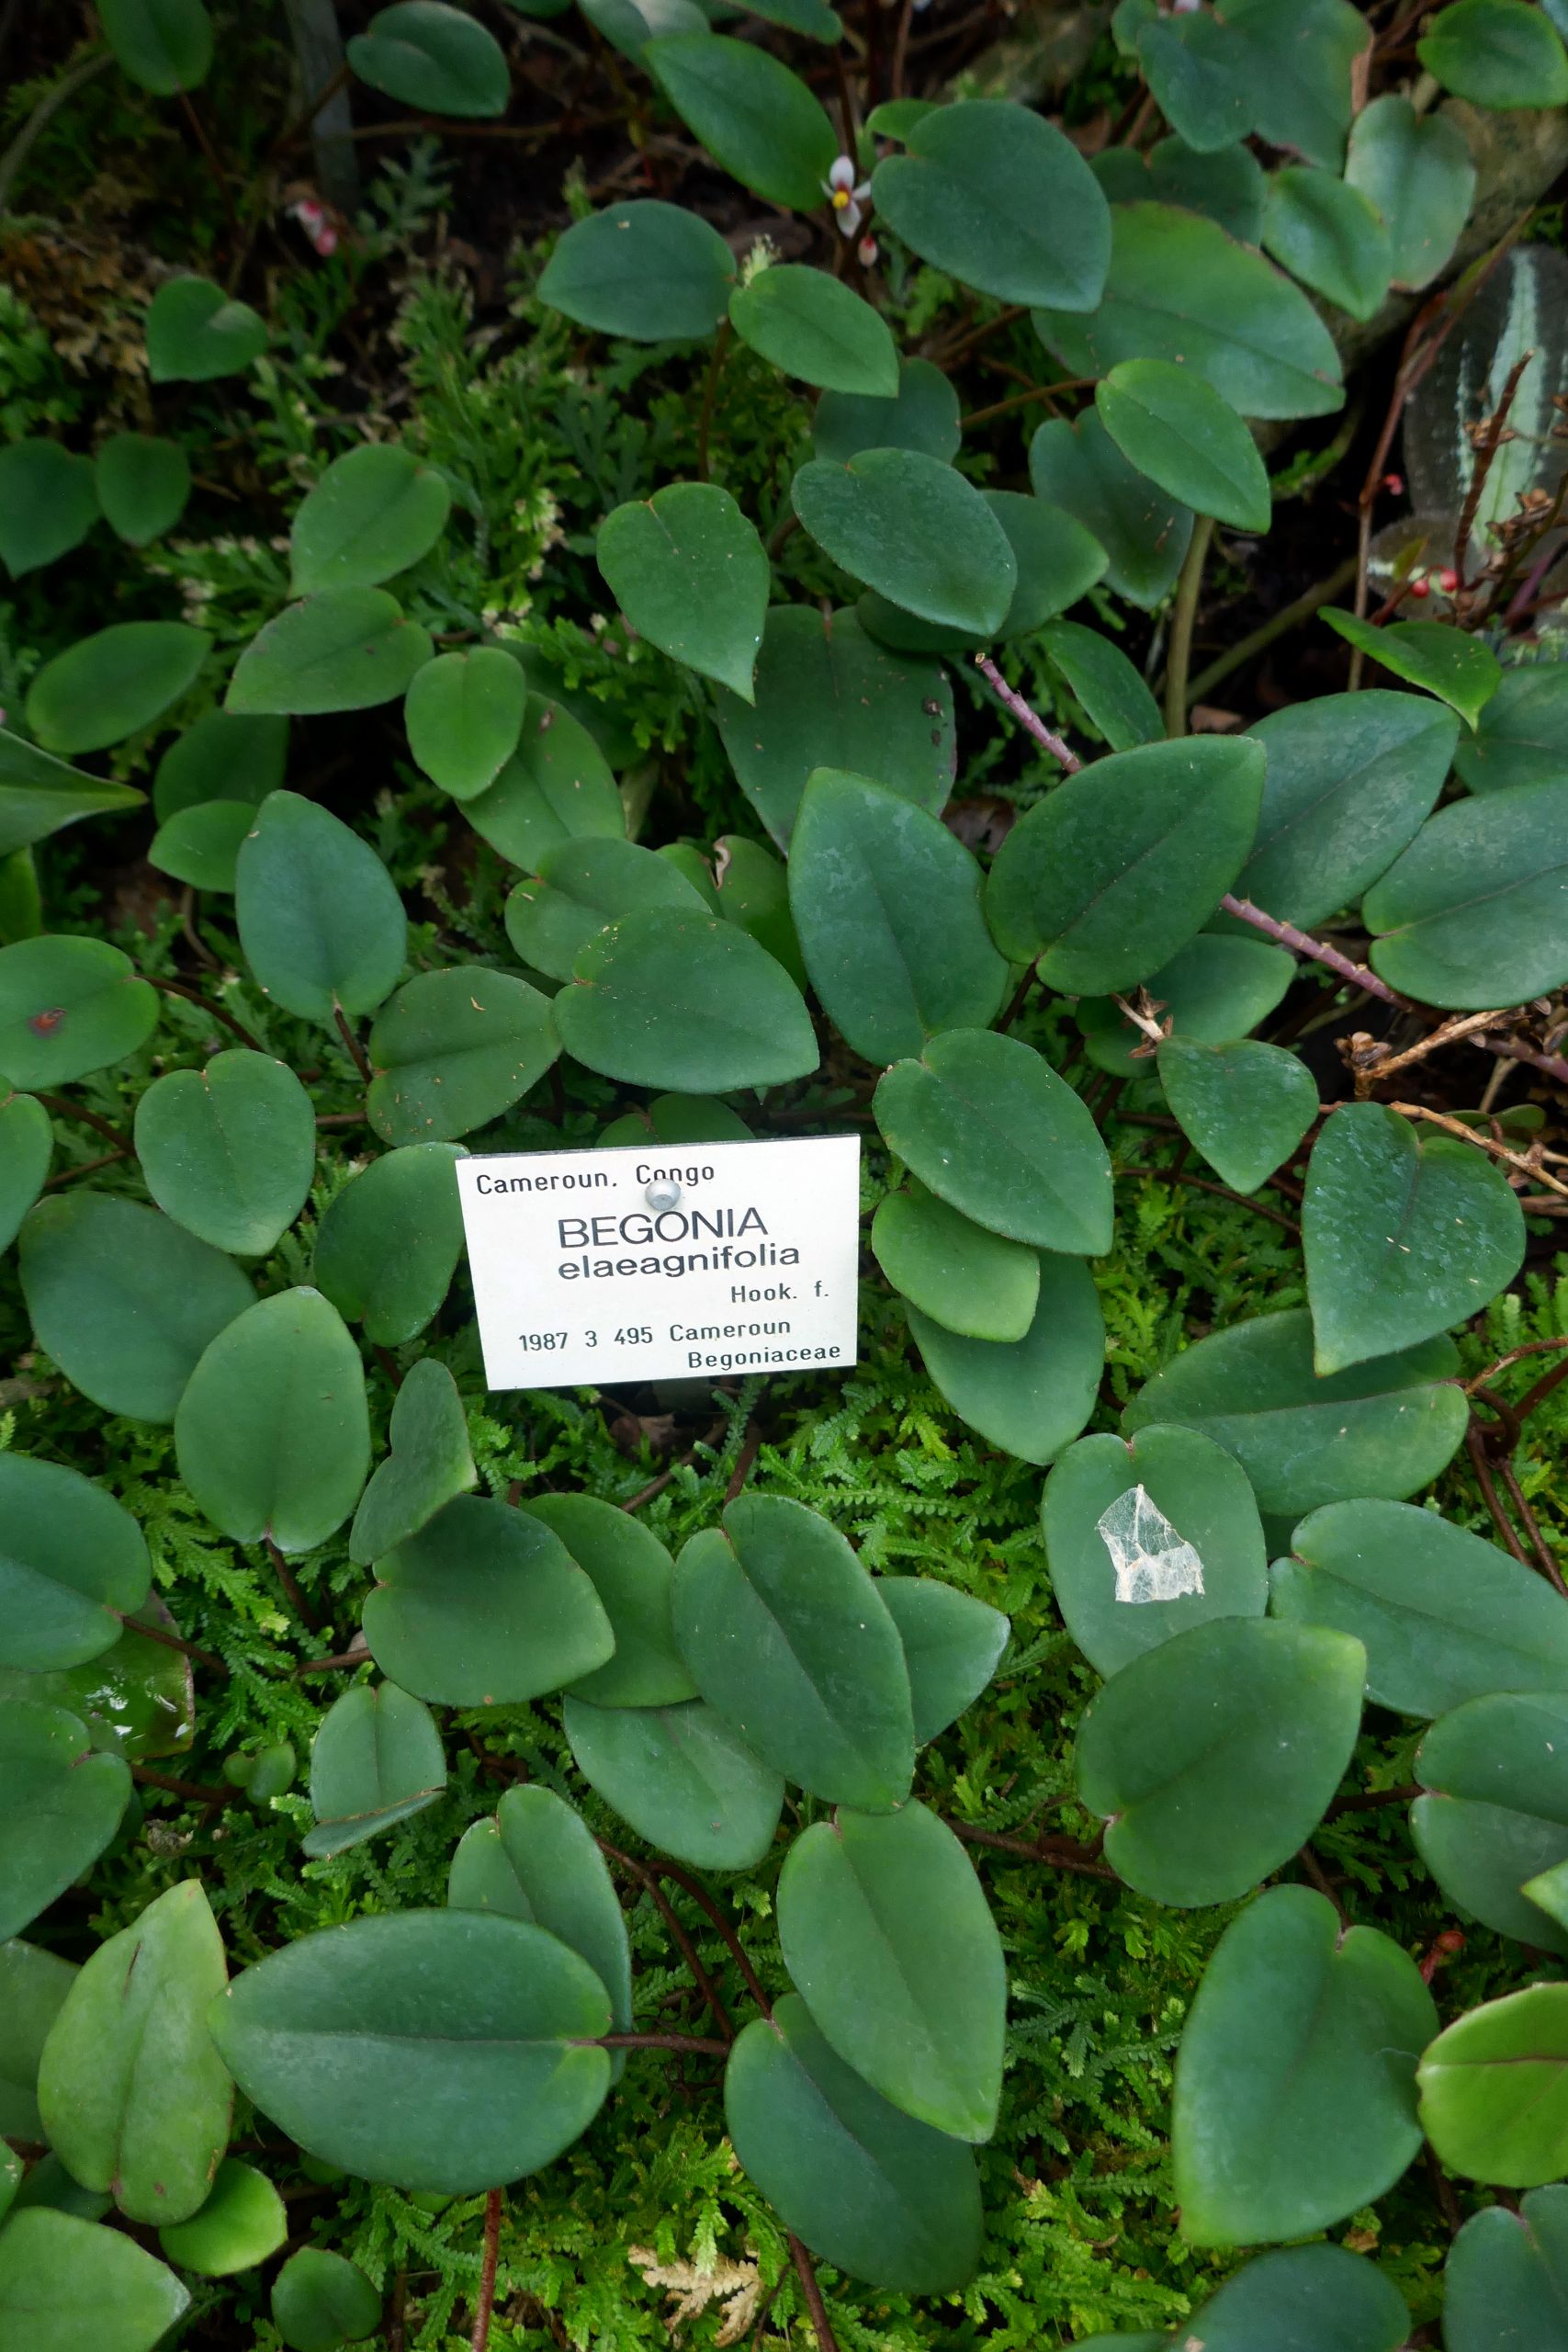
x: 1151, y: 1560
x: 663, y: 1260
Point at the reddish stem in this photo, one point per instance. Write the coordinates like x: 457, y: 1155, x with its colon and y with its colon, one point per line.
x: 479, y: 2340
x: 1028, y: 719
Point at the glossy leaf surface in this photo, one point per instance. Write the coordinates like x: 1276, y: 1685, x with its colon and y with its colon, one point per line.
x: 646, y: 270
x: 968, y: 1280
x: 388, y: 1245
x: 69, y: 1006
x: 913, y: 530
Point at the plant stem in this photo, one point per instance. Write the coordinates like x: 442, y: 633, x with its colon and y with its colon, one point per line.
x: 700, y: 1976
x: 1059, y: 1853
x: 1015, y: 1004
x: 695, y: 2042
x: 1316, y: 950
x: 701, y: 1896
x: 175, y: 1642
x: 194, y: 1789
x: 1482, y: 1143
x: 87, y: 1168
x: 750, y: 1448
x: 61, y: 1109
x: 1301, y: 609
x: 1542, y: 1390
x: 1477, y: 1446
x: 1026, y: 717
x: 227, y: 1019
x: 1514, y: 1355
x: 1183, y: 620
x: 286, y: 1577
x: 826, y: 2340
x: 478, y: 2341
x: 1203, y: 1184
x: 351, y: 1041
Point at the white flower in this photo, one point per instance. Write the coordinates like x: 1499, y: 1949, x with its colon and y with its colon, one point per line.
x: 847, y: 195
x: 312, y: 218
x: 865, y: 253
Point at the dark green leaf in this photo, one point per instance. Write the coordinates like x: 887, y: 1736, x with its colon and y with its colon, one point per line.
x: 223, y: 757
x: 243, y: 2221
x: 1416, y: 170
x: 454, y: 1049
x: 1302, y: 56
x: 1460, y: 670
x: 690, y: 574
x: 681, y: 1778
x: 464, y: 715
x: 433, y: 57
x: 1196, y: 68
x: 1506, y: 2276
x: 1245, y: 1107
x: 60, y: 1804
x: 49, y: 502
x: 68, y: 2286
x: 1032, y: 1398
x: 428, y: 1463
x: 372, y: 514
x: 1494, y: 1819
x: 753, y: 894
x: 27, y: 1147
x: 73, y: 1564
x: 143, y: 485
x: 1172, y: 426
x: 1496, y: 53
x: 40, y: 794
x: 321, y: 921
x: 388, y: 1245
x: 375, y: 1759
x: 1474, y: 912
x: 137, y: 1700
x: 557, y: 787
x: 816, y: 328
x: 999, y: 197
x: 347, y: 649
x: 320, y: 2303
x: 1225, y: 183
x: 164, y: 45
x: 685, y: 1001
x: 229, y: 1151
x: 195, y: 333
x: 201, y: 846
x: 33, y: 1984
x: 630, y: 25
x: 1057, y: 561
x: 914, y: 530
x: 1312, y: 2299
x: 1329, y: 235
x: 69, y: 1006
x: 952, y: 1645
x: 969, y: 1281
x: 751, y: 112
x: 630, y: 1570
x: 113, y: 683
x: 1144, y: 533
x: 650, y: 271
x: 1521, y: 737
x: 922, y: 415
x: 1111, y: 691
x: 535, y: 1859
x: 1494, y: 2087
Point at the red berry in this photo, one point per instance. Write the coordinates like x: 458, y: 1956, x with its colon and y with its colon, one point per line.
x: 1422, y: 587
x: 1447, y: 581
x: 1394, y: 485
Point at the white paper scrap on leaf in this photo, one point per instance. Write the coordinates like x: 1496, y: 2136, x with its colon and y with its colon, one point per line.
x: 1151, y: 1560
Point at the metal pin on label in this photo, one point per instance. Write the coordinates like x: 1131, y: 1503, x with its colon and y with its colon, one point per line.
x: 662, y: 1193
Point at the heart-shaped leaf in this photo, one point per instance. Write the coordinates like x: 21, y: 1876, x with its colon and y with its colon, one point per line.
x: 630, y: 1570
x: 1216, y: 988
x: 1385, y: 1427
x: 27, y: 1147
x: 535, y: 1859
x: 346, y: 649
x: 1507, y: 2274
x: 646, y: 270
x: 1494, y: 2089
x: 1458, y: 668
x: 164, y: 45
x: 201, y: 846
x: 828, y: 697
x: 433, y: 2049
x: 464, y: 715
x: 952, y: 1646
x: 916, y: 531
x: 61, y: 1803
x: 1057, y: 561
x: 33, y: 1984
x: 375, y: 1759
x: 885, y: 1931
x: 555, y: 788
x: 884, y: 2197
x: 954, y: 1270
x: 229, y: 1151
x: 681, y: 1778
x: 1330, y: 236
x: 224, y: 756
x: 686, y: 1002
x: 113, y: 683
x: 1295, y: 2082
x: 1496, y: 53
x: 195, y: 333
x: 388, y: 1245
x: 65, y: 2284
x: 484, y: 1608
x: 244, y: 2222
x: 1473, y: 912
x: 1246, y: 1106
x: 1443, y: 1616
x: 372, y: 514
x: 272, y: 1432
x: 1147, y: 1538
x: 438, y: 59
x: 787, y: 1638
x: 751, y: 112
x: 1402, y: 1238
x: 1417, y: 171
x: 1173, y: 426
x: 922, y: 414
x: 1196, y: 68
x: 452, y: 1050
x: 583, y: 885
x: 124, y: 1300
x: 691, y: 575
x: 40, y: 794
x: 428, y: 1463
x: 1494, y: 1816
x: 73, y: 1564
x: 134, y: 2097
x: 69, y: 1006
x: 999, y: 197
x: 1122, y: 865
x: 814, y: 327
x: 1519, y: 736
x: 1180, y: 1754
x: 1078, y: 467
x: 1032, y: 1396
x: 321, y: 921
x: 1311, y: 2299
x: 143, y: 485
x: 49, y: 502
x: 320, y: 2301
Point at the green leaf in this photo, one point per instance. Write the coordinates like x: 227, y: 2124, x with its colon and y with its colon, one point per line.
x: 1031, y: 1397
x: 1057, y: 561
x: 229, y: 1151
x: 1180, y: 1754
x: 1402, y: 1238
x: 60, y: 1804
x: 433, y: 58
x: 49, y: 502
x: 1113, y: 695
x: 243, y: 2221
x: 1180, y: 290
x: 201, y: 846
x: 1349, y: 780
x: 691, y: 575
x: 224, y: 757
x: 73, y: 1564
x: 1245, y: 1107
x: 681, y: 1778
x: 997, y: 197
x: 987, y: 1125
x: 1519, y: 738
x: 1302, y: 58
x: 630, y: 25
x: 1496, y: 53
x: 1494, y: 1821
x: 814, y: 327
x: 1146, y: 1539
x: 164, y: 45
x: 197, y: 332
x: 484, y: 1608
x: 1443, y: 1616
x: 952, y: 1646
x: 464, y: 715
x: 33, y: 1984
x: 830, y: 696
x: 454, y: 1049
x: 1225, y: 183
x: 1331, y: 236
x: 320, y: 919
x: 113, y: 683
x: 431, y: 2049
x: 555, y: 788
x: 1507, y: 2275
x: 1171, y: 425
x: 272, y: 1432
x: 630, y: 1570
x: 534, y: 1859
x: 372, y: 514
x: 685, y: 1001
x: 1417, y: 170
x: 1431, y: 654
x: 137, y: 1700
x: 650, y: 271
x: 134, y: 2097
x: 124, y: 1300
x: 375, y: 1759
x: 1473, y: 913
x: 1196, y: 68
x: 27, y: 1147
x: 751, y: 112
x: 143, y: 485
x: 320, y: 2301
x: 922, y: 414
x: 388, y: 1245
x: 1312, y: 2299
x: 958, y: 1275
x: 679, y: 1119
x: 887, y: 907
x: 787, y: 1640
x: 428, y: 1463
x: 882, y: 2197
x: 68, y: 2286
x: 1145, y: 535
x: 40, y: 794
x: 1295, y: 2082
x: 1122, y: 863
x: 1494, y: 2089
x: 885, y: 1931
x: 69, y: 1006
x: 347, y: 649
x: 753, y: 894
x: 914, y: 530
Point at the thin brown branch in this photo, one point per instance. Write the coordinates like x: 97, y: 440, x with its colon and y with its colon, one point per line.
x: 218, y: 1013
x: 195, y: 1790
x: 751, y: 1445
x: 826, y: 2340
x: 1057, y: 1853
x: 1373, y: 1799
x: 695, y: 2043
x: 1542, y: 1390
x: 725, y: 1928
x: 490, y: 2262
x: 1026, y: 717
x: 1376, y: 1064
x: 1207, y: 1184
x: 292, y: 1593
x: 168, y: 1641
x: 700, y: 1977
x: 1545, y: 1558
x: 361, y: 1060
x: 1514, y: 1355
x: 1486, y: 448
x: 1477, y: 1446
x: 56, y: 1106
x: 1317, y: 951
x: 1482, y: 1143
x: 87, y: 1168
